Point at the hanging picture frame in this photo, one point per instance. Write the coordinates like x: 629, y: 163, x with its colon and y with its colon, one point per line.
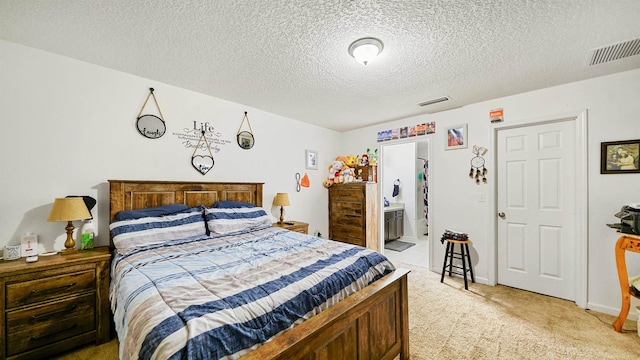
x: 202, y: 163
x: 311, y: 159
x: 245, y: 138
x: 151, y: 126
x: 620, y: 157
x: 456, y: 137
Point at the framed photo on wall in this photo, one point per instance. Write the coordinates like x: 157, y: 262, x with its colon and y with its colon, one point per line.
x: 311, y: 159
x: 620, y: 157
x: 456, y: 137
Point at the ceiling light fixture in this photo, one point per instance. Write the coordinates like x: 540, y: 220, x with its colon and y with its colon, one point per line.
x: 365, y: 50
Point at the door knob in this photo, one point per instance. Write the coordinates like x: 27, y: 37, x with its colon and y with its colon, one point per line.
x: 502, y: 215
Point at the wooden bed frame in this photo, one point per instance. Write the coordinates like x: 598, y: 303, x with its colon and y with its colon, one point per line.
x: 370, y: 324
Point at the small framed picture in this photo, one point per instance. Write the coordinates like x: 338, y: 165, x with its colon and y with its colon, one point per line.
x: 620, y: 157
x: 456, y: 137
x: 311, y: 159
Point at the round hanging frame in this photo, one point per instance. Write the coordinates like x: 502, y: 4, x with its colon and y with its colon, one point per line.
x: 245, y: 139
x: 150, y: 126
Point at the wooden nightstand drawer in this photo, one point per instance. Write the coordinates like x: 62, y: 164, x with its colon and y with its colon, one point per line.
x: 30, y: 292
x: 51, y: 313
x: 40, y: 335
x: 297, y: 226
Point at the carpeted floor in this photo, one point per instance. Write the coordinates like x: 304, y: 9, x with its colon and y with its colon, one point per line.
x: 487, y: 322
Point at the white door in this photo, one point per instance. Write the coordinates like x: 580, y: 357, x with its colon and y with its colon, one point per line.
x: 536, y: 208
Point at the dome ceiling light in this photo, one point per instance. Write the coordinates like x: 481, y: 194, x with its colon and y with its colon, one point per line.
x: 365, y: 50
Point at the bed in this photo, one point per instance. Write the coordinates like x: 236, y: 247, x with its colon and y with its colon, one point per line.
x: 371, y: 323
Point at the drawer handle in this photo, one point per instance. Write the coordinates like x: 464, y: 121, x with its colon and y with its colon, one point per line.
x: 52, y: 290
x: 36, y: 338
x: 52, y: 314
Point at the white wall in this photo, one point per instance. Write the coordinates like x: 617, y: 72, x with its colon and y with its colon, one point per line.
x: 613, y: 114
x: 69, y: 126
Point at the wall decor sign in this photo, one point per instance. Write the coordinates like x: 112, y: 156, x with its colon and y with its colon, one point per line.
x: 150, y: 126
x: 496, y: 116
x: 620, y: 157
x: 245, y: 138
x: 456, y: 137
x: 202, y: 163
x: 190, y: 137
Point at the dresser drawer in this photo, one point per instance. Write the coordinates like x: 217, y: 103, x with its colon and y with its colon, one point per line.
x: 351, y: 208
x: 350, y: 193
x: 30, y: 292
x: 346, y: 219
x: 349, y: 234
x: 36, y: 336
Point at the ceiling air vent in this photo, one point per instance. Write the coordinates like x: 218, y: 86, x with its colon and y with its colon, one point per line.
x: 434, y: 101
x: 615, y: 52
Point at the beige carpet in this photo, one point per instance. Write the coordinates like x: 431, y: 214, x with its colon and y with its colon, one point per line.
x: 488, y: 322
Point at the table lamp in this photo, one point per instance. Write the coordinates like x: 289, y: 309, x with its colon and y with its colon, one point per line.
x: 69, y: 209
x: 281, y: 199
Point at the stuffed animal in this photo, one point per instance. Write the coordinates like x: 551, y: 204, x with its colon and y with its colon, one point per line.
x: 352, y: 161
x: 335, y: 169
x: 327, y: 183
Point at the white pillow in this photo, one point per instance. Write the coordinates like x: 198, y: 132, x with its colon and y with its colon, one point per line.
x: 228, y: 220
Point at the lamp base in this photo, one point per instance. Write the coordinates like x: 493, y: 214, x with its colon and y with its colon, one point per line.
x: 69, y: 251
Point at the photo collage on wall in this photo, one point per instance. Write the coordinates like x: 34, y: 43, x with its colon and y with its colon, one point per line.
x: 407, y: 131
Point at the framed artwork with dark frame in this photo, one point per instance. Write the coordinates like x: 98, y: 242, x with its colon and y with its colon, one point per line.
x: 456, y: 137
x: 311, y: 159
x: 620, y: 157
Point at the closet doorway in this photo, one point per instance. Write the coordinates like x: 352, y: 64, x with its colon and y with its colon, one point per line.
x: 404, y: 225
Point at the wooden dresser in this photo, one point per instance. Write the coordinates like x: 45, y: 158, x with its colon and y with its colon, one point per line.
x: 54, y: 304
x: 297, y: 226
x: 353, y: 214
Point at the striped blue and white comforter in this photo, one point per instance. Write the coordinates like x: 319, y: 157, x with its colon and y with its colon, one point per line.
x: 220, y: 297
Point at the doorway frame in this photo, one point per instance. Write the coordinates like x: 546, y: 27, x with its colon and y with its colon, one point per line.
x: 381, y: 169
x: 581, y: 181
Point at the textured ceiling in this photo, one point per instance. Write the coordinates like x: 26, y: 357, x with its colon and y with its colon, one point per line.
x: 290, y: 57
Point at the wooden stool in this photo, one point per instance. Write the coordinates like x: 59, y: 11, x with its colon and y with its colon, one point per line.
x: 449, y: 255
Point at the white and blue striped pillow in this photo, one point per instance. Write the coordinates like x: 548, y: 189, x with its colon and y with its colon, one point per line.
x: 228, y: 220
x: 128, y: 234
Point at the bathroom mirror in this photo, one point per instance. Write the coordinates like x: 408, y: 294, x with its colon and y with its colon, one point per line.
x: 151, y: 126
x: 245, y: 140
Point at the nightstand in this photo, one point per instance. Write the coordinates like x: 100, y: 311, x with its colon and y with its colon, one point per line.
x: 54, y: 304
x: 298, y: 226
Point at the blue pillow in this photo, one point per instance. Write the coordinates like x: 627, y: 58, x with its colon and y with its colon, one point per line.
x: 232, y: 205
x: 150, y: 212
x: 224, y: 221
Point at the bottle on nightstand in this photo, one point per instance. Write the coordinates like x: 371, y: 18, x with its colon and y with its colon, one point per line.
x: 87, y: 234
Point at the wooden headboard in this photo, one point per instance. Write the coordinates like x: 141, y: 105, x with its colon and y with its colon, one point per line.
x: 140, y: 194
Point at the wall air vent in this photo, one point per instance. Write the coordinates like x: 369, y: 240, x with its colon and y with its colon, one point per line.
x: 434, y: 101
x: 615, y: 52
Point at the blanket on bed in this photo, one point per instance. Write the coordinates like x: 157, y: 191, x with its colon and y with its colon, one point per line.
x: 219, y: 297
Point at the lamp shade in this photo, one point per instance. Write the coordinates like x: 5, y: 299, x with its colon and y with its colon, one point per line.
x: 281, y: 199
x: 68, y: 209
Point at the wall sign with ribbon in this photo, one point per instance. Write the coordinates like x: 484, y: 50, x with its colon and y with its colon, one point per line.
x: 150, y: 126
x: 202, y: 163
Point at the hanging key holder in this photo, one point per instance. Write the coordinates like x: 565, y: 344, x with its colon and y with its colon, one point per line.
x: 202, y: 163
x: 151, y: 126
x: 245, y: 138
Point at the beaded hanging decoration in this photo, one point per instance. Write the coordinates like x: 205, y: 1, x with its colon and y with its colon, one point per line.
x: 477, y: 165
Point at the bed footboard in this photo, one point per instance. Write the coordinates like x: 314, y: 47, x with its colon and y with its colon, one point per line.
x: 370, y: 324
